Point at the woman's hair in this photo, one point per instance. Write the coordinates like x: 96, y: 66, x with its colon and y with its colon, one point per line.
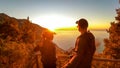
x: 48, y: 34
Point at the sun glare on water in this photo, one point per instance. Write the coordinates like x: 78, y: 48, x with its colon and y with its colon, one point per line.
x: 53, y: 22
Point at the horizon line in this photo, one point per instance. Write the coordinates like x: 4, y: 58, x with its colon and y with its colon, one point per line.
x: 68, y: 28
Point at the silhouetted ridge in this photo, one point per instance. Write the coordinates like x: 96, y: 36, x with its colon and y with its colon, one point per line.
x: 18, y: 39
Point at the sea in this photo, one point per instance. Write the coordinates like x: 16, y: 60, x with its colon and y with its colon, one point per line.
x: 65, y: 39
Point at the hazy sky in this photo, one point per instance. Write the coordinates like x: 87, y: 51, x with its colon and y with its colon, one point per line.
x: 99, y: 13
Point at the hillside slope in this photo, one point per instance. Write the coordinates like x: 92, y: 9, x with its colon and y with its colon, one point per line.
x: 18, y: 39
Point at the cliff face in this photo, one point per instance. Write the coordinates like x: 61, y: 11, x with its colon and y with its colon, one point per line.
x: 19, y: 29
x: 18, y: 38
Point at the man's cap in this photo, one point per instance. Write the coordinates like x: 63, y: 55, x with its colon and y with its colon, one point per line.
x: 83, y: 23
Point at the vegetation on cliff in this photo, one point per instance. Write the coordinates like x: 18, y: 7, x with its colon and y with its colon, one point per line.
x: 18, y: 40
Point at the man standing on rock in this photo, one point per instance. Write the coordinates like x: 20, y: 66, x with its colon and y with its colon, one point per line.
x: 84, y: 47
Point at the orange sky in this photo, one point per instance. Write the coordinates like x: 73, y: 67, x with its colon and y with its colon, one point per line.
x: 54, y: 14
x: 57, y: 21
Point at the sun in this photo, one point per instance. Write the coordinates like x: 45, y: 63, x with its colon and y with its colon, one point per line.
x: 54, y: 21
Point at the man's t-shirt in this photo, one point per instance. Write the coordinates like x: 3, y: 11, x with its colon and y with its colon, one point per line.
x: 85, y: 49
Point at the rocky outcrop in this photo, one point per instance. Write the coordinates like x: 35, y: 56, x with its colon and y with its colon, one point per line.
x: 18, y: 38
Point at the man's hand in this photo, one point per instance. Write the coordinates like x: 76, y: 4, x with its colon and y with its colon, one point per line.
x: 66, y: 65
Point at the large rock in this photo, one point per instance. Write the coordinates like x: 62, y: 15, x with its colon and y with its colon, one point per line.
x: 18, y: 38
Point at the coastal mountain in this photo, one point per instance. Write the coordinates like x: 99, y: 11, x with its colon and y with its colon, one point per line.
x: 18, y: 40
